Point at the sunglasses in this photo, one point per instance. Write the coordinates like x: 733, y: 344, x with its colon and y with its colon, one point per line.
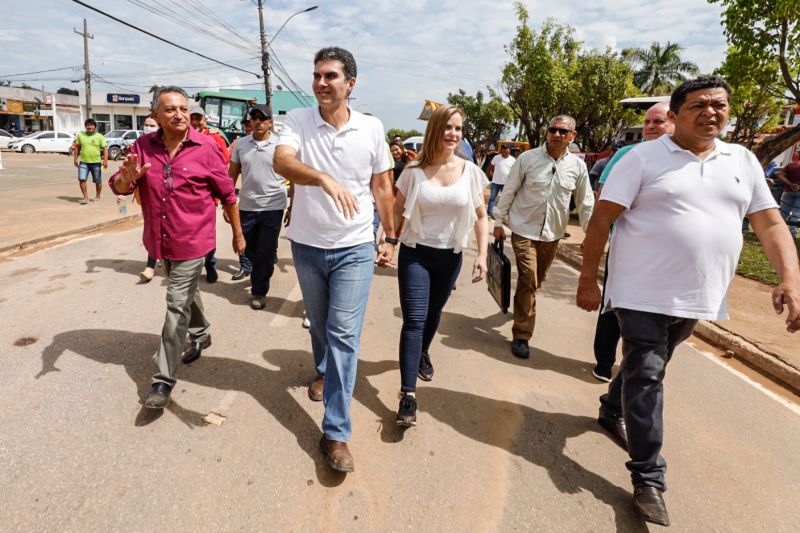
x: 169, y: 183
x: 561, y: 131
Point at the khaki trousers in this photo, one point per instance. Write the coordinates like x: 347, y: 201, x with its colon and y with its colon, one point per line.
x: 533, y: 260
x: 184, y: 314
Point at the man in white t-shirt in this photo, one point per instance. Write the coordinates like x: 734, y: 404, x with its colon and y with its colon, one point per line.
x: 498, y: 169
x: 335, y: 157
x: 677, y: 203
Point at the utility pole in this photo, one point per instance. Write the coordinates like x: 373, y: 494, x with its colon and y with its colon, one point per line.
x: 264, y: 57
x: 86, y: 76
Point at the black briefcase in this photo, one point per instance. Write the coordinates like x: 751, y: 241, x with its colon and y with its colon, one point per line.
x: 498, y: 278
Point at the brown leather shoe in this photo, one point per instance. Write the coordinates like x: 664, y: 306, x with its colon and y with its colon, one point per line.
x: 315, y: 389
x: 336, y: 455
x: 649, y: 504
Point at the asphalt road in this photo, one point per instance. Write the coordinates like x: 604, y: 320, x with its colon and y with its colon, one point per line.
x: 502, y: 444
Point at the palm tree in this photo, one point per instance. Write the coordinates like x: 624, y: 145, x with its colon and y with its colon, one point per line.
x: 658, y: 69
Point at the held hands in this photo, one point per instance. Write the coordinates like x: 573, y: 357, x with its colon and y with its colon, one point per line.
x: 386, y: 255
x: 789, y: 295
x: 345, y: 202
x: 588, y: 296
x: 479, y: 269
x: 499, y: 233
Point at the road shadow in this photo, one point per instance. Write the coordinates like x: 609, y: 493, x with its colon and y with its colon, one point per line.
x: 235, y: 292
x: 70, y: 199
x: 270, y: 388
x: 482, y: 335
x: 538, y: 437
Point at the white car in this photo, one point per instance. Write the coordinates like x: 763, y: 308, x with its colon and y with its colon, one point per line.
x: 44, y: 141
x: 414, y: 143
x: 5, y: 138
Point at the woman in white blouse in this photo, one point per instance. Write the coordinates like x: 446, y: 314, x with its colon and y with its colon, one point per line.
x: 439, y: 200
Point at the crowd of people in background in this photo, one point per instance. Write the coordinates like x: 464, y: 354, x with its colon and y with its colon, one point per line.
x: 675, y: 202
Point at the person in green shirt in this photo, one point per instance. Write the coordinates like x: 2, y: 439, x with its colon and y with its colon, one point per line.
x: 89, y: 147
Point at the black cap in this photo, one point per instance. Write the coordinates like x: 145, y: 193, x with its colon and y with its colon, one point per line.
x: 261, y: 108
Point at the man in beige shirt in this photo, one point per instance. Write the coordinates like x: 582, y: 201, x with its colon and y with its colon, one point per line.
x: 536, y: 200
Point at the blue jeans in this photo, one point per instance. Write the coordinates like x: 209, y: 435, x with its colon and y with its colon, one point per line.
x: 496, y: 190
x: 425, y: 276
x: 335, y: 286
x: 85, y: 168
x: 790, y: 209
x: 261, y: 230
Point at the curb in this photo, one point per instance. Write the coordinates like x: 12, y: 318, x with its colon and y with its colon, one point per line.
x: 769, y: 364
x: 50, y: 238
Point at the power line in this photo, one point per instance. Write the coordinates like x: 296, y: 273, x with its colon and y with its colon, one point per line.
x: 38, y: 71
x: 162, y: 39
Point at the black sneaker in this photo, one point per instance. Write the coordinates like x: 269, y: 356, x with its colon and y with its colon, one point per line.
x: 425, y: 367
x: 602, y: 373
x: 520, y: 348
x: 407, y: 413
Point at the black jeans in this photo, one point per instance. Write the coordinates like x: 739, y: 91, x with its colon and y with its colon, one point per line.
x: 261, y: 230
x: 637, y: 392
x: 426, y: 277
x: 606, y: 335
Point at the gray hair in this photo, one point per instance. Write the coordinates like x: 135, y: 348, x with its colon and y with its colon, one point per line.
x: 566, y: 118
x: 167, y: 89
x: 334, y: 53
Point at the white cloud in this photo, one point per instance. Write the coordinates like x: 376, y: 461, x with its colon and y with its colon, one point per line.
x: 406, y: 52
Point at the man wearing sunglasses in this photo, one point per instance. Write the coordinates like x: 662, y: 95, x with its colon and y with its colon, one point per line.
x: 262, y: 200
x: 179, y: 173
x: 536, y: 200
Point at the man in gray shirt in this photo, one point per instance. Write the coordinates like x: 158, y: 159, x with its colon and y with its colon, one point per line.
x: 262, y: 199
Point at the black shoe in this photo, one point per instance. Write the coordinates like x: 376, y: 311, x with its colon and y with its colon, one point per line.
x: 520, y: 348
x: 615, y: 425
x: 240, y: 275
x: 602, y: 374
x: 195, y: 350
x: 211, y: 274
x: 425, y: 367
x: 159, y: 396
x: 407, y: 413
x: 567, y: 235
x: 649, y: 505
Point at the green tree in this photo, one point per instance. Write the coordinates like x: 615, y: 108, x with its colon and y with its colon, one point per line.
x: 768, y: 32
x: 756, y: 95
x: 66, y: 90
x: 536, y: 78
x: 404, y: 134
x: 598, y: 81
x: 484, y: 121
x: 658, y: 69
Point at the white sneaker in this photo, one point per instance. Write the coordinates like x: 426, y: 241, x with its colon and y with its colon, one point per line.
x: 146, y: 275
x: 306, y: 322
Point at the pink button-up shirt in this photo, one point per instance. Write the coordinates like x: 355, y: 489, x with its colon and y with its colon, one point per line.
x: 178, y: 196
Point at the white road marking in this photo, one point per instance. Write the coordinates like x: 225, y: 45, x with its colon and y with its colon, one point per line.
x: 793, y: 407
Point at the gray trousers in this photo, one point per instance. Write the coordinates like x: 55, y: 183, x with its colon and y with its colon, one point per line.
x: 184, y: 314
x: 637, y: 391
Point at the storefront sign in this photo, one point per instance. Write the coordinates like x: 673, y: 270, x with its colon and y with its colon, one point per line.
x: 113, y: 98
x: 15, y: 107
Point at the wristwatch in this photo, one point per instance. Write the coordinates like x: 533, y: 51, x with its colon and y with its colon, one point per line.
x: 391, y: 240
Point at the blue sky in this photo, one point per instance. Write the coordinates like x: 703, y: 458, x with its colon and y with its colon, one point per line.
x: 406, y: 51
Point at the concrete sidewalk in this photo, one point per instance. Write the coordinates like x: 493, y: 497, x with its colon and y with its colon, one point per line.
x: 755, y: 334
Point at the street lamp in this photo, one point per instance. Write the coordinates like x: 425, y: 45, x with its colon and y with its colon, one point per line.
x: 265, y: 45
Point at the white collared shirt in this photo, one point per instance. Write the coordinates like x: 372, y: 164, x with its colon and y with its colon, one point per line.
x: 674, y: 249
x: 350, y: 156
x: 537, y: 192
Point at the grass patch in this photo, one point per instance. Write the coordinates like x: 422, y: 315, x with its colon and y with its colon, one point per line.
x: 753, y: 263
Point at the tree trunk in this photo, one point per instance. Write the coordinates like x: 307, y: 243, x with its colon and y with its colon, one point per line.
x: 771, y: 148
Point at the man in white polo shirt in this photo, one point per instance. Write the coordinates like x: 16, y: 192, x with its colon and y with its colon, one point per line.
x: 335, y: 156
x: 498, y: 170
x: 678, y: 203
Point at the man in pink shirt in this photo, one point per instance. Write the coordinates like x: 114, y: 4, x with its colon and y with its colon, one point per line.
x: 178, y: 173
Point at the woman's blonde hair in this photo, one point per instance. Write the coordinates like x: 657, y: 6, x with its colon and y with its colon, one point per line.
x: 434, y: 133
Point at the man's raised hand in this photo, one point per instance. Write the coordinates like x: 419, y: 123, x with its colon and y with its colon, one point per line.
x: 130, y: 170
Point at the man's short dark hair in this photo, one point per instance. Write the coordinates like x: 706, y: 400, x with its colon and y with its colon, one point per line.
x: 334, y: 53
x: 168, y: 89
x: 91, y: 121
x: 701, y: 82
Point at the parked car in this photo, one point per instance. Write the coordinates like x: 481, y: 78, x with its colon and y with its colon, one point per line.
x: 413, y: 143
x: 118, y: 139
x: 44, y: 141
x: 6, y: 137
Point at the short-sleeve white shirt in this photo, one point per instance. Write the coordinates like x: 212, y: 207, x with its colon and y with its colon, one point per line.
x: 350, y: 156
x: 502, y: 166
x: 675, y: 248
